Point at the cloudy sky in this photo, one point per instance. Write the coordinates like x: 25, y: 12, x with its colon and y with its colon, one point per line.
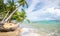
x: 43, y: 10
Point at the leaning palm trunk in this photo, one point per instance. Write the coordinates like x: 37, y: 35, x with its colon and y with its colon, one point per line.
x: 4, y: 18
x: 2, y: 23
x: 10, y: 15
x: 9, y: 28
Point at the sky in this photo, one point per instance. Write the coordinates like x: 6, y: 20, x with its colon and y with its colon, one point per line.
x: 43, y: 10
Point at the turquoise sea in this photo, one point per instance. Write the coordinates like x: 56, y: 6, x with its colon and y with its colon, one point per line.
x: 44, y: 26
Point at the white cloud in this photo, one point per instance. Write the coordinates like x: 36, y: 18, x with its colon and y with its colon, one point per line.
x: 49, y: 7
x: 57, y: 12
x: 31, y: 7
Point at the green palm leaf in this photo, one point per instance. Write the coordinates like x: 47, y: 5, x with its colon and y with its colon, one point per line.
x: 10, y: 7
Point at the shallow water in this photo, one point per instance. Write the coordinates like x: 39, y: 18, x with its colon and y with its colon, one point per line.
x: 44, y: 28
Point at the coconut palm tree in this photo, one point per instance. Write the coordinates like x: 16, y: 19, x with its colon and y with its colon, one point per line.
x: 9, y: 11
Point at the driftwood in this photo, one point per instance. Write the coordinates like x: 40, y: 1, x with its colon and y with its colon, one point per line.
x: 8, y: 27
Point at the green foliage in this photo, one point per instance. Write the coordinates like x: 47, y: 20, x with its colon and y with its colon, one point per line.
x: 19, y: 16
x: 2, y: 6
x: 9, y: 7
x: 23, y: 2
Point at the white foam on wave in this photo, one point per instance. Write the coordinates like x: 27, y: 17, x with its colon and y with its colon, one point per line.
x: 29, y: 32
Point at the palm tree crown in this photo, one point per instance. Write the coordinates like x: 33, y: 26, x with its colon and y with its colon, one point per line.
x: 9, y: 10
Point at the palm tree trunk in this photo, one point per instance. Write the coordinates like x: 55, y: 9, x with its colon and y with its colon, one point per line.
x: 3, y: 21
x: 5, y: 17
x: 10, y: 15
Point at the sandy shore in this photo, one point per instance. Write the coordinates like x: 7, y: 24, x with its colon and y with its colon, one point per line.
x: 11, y: 33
